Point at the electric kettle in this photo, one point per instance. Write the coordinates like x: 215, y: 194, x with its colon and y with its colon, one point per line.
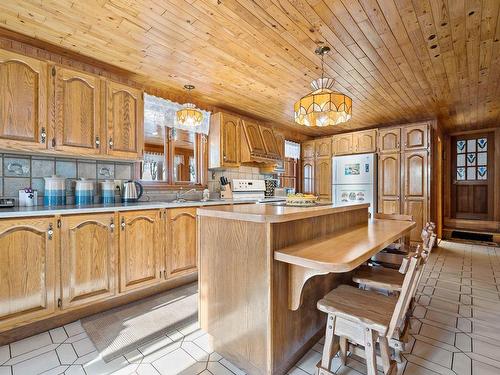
x: 132, y: 191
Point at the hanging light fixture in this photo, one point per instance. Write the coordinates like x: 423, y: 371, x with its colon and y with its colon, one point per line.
x: 189, y: 115
x: 323, y: 106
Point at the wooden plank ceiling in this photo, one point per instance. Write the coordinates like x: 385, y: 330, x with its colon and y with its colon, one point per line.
x: 399, y: 60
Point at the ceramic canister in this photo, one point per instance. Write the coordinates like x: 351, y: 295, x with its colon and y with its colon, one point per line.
x: 107, y: 191
x: 84, y: 192
x: 55, y: 191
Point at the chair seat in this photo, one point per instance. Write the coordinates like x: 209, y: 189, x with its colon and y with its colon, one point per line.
x: 373, y: 310
x: 379, y: 277
x: 388, y: 260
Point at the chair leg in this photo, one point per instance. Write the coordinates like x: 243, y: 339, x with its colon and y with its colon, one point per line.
x: 330, y: 348
x: 343, y: 349
x: 385, y: 354
x: 371, y: 355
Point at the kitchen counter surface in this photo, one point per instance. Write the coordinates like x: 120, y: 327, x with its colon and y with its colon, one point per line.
x: 73, y: 209
x: 269, y: 213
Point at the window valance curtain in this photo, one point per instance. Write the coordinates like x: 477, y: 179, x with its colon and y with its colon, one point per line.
x: 292, y: 150
x: 159, y: 111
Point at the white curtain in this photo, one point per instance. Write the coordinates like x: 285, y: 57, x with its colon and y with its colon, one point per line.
x: 159, y: 111
x: 292, y: 150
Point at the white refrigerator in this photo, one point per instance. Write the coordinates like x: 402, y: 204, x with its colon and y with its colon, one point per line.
x: 354, y: 180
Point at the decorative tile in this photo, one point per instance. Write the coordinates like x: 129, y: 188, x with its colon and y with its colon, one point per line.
x: 42, y: 167
x: 66, y: 168
x: 16, y: 167
x: 87, y: 170
x: 105, y: 171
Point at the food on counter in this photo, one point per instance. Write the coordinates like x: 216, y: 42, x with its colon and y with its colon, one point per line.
x: 300, y: 199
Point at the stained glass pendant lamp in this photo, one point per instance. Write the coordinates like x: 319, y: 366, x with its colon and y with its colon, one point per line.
x: 189, y: 115
x: 323, y: 106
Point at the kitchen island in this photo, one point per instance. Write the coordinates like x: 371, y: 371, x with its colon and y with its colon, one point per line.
x: 262, y: 268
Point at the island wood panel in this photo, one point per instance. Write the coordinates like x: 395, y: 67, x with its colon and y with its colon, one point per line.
x: 28, y: 270
x: 77, y: 112
x: 89, y: 245
x: 23, y: 102
x: 180, y: 229
x: 140, y: 247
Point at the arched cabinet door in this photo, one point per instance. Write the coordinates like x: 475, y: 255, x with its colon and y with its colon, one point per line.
x: 88, y: 258
x: 141, y: 239
x: 389, y: 140
x: 389, y: 183
x: 230, y: 141
x: 124, y: 117
x: 77, y: 112
x: 23, y: 102
x: 323, y: 178
x: 323, y: 148
x: 27, y: 270
x: 308, y: 176
x: 181, y: 255
x: 416, y: 137
x: 308, y: 150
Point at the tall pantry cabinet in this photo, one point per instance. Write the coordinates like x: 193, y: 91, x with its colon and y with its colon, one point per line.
x: 404, y: 173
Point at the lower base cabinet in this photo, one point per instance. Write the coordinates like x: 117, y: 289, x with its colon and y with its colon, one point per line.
x: 180, y: 227
x: 50, y: 265
x: 141, y: 242
x: 27, y: 270
x: 89, y: 245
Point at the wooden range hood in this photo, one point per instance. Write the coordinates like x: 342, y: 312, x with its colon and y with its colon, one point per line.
x: 258, y: 144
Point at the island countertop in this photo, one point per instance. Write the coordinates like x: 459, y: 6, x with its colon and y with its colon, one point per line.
x: 269, y: 213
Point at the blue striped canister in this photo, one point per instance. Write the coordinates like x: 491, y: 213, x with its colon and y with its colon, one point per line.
x: 84, y: 192
x: 107, y: 192
x: 55, y: 191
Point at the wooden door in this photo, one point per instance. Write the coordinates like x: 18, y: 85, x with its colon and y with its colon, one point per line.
x: 141, y: 242
x: 23, y: 103
x: 389, y: 140
x: 472, y: 180
x: 389, y: 183
x: 365, y: 141
x: 323, y: 147
x: 308, y: 176
x: 88, y: 258
x: 230, y: 141
x: 181, y: 256
x: 27, y: 270
x: 77, y: 112
x: 323, y: 178
x: 270, y: 144
x: 342, y: 144
x: 308, y: 150
x: 254, y: 138
x: 416, y: 137
x: 416, y: 190
x: 124, y: 111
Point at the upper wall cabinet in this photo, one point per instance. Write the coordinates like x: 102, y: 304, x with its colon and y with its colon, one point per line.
x: 23, y: 102
x: 323, y: 148
x: 77, y: 112
x: 308, y: 150
x: 124, y: 118
x: 415, y: 137
x: 224, y: 141
x: 270, y: 142
x: 254, y: 138
x: 365, y: 141
x: 342, y: 144
x: 389, y: 140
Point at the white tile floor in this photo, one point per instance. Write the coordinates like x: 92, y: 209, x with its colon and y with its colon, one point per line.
x: 455, y: 329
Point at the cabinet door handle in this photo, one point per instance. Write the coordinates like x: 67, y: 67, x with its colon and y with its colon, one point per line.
x: 123, y: 223
x: 165, y: 274
x: 110, y: 143
x: 50, y: 232
x: 43, y: 136
x: 97, y: 142
x: 225, y: 158
x: 112, y: 226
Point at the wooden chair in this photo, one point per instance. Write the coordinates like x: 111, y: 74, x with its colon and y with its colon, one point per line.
x: 363, y: 318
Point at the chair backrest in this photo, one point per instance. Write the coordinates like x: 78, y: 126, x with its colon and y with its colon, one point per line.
x: 406, y: 239
x: 408, y: 290
x: 427, y: 232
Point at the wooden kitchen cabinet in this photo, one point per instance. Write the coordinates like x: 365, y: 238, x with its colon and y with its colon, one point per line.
x: 89, y: 245
x: 308, y: 150
x: 124, y: 119
x: 365, y: 141
x: 141, y: 244
x: 254, y: 138
x: 270, y: 143
x: 28, y: 270
x: 323, y: 147
x: 389, y: 140
x: 78, y: 112
x: 308, y: 184
x: 389, y: 183
x: 224, y: 141
x: 342, y: 144
x: 23, y: 103
x: 323, y: 178
x: 416, y: 189
x: 415, y: 137
x: 180, y: 254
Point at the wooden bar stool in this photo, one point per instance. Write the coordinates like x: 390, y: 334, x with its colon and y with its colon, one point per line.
x: 363, y: 318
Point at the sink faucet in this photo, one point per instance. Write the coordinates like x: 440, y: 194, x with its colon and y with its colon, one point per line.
x: 181, y: 193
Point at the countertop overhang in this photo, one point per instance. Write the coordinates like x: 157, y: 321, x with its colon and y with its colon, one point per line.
x: 265, y: 213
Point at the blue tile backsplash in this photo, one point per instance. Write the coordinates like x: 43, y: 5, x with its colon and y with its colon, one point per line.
x: 19, y: 171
